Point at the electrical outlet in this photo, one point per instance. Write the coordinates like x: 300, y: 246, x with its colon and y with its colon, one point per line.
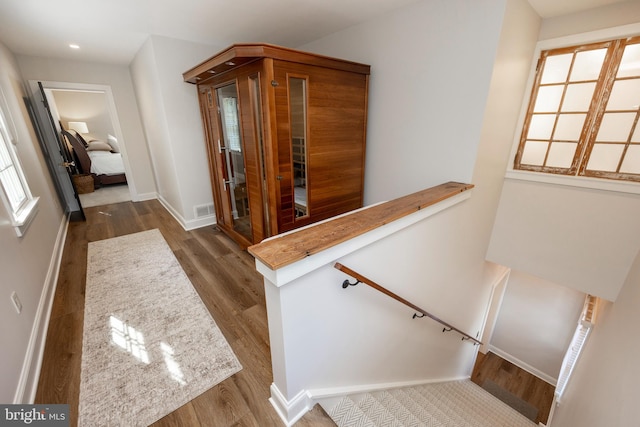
x: 16, y: 302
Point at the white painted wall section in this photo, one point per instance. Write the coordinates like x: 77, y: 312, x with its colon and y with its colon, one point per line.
x: 536, y: 323
x: 119, y: 79
x: 327, y: 340
x: 170, y: 112
x: 29, y: 263
x: 585, y: 239
x: 604, y: 389
x: 425, y: 106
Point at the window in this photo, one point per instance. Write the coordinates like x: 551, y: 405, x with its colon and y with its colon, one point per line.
x: 579, y: 340
x: 582, y: 118
x: 15, y: 192
x: 232, y: 130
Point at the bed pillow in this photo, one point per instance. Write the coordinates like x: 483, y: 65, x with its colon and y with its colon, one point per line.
x: 97, y: 145
x: 113, y: 142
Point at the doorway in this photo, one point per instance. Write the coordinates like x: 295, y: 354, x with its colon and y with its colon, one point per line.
x: 93, y: 108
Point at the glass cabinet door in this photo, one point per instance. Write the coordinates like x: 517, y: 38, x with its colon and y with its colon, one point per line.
x: 298, y: 114
x: 234, y: 186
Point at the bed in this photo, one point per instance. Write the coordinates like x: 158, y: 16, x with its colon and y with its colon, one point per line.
x: 100, y: 159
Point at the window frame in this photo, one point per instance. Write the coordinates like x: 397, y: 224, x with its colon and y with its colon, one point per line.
x: 586, y: 180
x: 23, y: 214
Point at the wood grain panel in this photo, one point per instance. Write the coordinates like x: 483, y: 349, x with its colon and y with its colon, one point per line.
x: 287, y: 249
x: 243, y: 53
x: 336, y: 127
x: 337, y: 108
x: 250, y: 141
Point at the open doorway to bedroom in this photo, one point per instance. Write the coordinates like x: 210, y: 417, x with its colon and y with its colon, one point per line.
x: 86, y: 114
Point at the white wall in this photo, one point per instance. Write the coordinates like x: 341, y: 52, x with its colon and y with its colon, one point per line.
x: 577, y: 237
x: 173, y: 125
x: 581, y: 238
x: 145, y: 75
x: 407, y: 53
x: 506, y: 91
x: 28, y: 264
x: 119, y: 79
x: 508, y: 81
x: 536, y: 323
x: 431, y: 63
x: 591, y: 19
x: 604, y: 389
x: 442, y: 87
x: 88, y: 107
x: 327, y: 340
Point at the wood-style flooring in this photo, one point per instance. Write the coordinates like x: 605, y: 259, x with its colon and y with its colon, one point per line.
x: 227, y: 282
x: 526, y: 386
x: 233, y: 291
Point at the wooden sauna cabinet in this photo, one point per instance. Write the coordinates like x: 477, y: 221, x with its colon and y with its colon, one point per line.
x: 285, y: 136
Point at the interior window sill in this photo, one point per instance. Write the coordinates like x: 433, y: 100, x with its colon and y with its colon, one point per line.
x: 24, y: 220
x: 576, y: 181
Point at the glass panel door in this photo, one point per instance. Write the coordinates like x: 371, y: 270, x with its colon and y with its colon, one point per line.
x: 236, y: 202
x: 298, y: 114
x: 256, y: 105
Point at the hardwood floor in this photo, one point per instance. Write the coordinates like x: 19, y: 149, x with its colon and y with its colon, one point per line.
x: 233, y: 291
x: 526, y: 386
x: 229, y: 286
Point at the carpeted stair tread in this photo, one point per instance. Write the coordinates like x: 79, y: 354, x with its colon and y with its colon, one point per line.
x: 474, y: 403
x: 407, y: 398
x: 397, y: 409
x: 447, y: 404
x: 439, y: 395
x: 446, y: 415
x: 377, y: 412
x: 348, y: 414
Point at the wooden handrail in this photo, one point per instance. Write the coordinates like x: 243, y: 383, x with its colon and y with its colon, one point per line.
x: 295, y: 246
x: 361, y: 279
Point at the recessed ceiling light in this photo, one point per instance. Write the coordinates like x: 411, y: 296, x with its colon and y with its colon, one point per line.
x: 74, y: 46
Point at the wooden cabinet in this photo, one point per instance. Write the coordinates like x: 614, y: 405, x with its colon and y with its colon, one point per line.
x: 285, y: 136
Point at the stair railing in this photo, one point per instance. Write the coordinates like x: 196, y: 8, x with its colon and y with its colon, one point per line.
x: 361, y: 279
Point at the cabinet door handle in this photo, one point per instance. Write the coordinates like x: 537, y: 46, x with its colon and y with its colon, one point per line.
x: 279, y: 177
x: 220, y: 147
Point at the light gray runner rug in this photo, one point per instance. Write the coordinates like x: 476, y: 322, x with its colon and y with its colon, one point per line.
x: 149, y: 344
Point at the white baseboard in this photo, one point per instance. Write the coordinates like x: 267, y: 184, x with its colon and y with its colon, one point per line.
x: 523, y: 365
x: 30, y: 374
x: 292, y: 410
x: 200, y: 222
x: 144, y: 196
x: 191, y: 224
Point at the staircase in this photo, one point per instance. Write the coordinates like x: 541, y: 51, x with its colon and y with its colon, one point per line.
x: 446, y: 404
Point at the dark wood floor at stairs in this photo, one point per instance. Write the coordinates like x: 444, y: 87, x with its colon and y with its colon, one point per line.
x: 526, y: 386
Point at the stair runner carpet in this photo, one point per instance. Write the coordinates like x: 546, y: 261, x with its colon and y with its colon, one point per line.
x: 446, y: 404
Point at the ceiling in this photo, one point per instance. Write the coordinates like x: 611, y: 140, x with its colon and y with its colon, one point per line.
x: 112, y: 31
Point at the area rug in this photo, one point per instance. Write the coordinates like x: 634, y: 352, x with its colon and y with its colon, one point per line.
x: 522, y: 406
x: 149, y: 344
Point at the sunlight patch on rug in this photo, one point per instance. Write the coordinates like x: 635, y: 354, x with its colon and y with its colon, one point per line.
x: 149, y: 344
